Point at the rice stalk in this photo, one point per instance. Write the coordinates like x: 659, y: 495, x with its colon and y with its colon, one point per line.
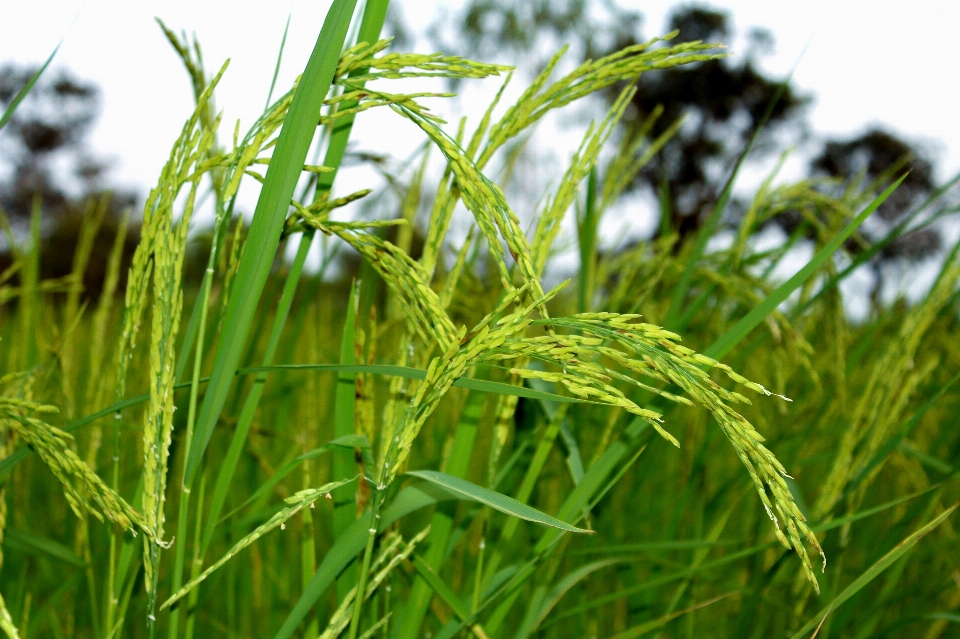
x: 393, y: 552
x: 299, y: 501
x: 83, y: 488
x: 168, y: 248
x: 6, y: 621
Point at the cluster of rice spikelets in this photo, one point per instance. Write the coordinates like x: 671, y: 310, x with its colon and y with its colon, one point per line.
x: 880, y: 408
x: 638, y: 348
x: 82, y: 487
x: 303, y: 499
x: 161, y: 254
x: 393, y: 551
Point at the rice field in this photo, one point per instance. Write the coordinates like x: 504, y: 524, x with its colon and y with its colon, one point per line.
x: 672, y: 443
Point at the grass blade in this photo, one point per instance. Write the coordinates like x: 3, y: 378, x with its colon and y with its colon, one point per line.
x: 587, y: 240
x: 344, y: 425
x: 34, y: 544
x: 22, y: 93
x: 706, y: 231
x: 719, y: 349
x: 440, y: 588
x: 593, y: 480
x: 495, y: 500
x: 723, y: 561
x: 561, y: 589
x: 276, y: 68
x: 264, y: 235
x: 650, y: 626
x: 882, y: 564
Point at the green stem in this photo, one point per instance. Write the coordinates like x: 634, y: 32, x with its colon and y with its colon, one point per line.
x: 184, y: 509
x: 365, y: 567
x: 196, y: 564
x: 526, y: 488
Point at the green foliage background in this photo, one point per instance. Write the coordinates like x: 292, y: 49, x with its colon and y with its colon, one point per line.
x: 258, y: 437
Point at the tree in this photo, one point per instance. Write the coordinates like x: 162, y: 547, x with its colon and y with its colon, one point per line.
x: 722, y: 101
x: 876, y: 154
x: 45, y: 157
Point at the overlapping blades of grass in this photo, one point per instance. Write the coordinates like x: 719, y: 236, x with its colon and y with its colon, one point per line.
x: 264, y: 235
x: 719, y: 349
x: 871, y: 573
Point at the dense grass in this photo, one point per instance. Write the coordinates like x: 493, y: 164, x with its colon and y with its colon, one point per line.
x: 462, y: 451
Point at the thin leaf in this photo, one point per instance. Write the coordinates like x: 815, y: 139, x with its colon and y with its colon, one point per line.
x: 495, y: 500
x: 719, y: 349
x: 22, y: 93
x: 440, y: 588
x: 873, y: 571
x: 40, y: 545
x: 650, y: 626
x: 723, y: 561
x: 561, y: 589
x: 263, y: 237
x: 344, y: 425
x: 276, y: 68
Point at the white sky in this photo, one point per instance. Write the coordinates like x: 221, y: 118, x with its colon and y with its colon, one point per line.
x: 867, y: 61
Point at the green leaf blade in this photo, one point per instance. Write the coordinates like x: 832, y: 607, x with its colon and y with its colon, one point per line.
x: 495, y: 500
x: 873, y: 571
x: 265, y: 230
x: 719, y: 349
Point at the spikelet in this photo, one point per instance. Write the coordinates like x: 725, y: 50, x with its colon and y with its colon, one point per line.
x: 393, y: 552
x: 6, y: 621
x: 297, y: 502
x: 486, y: 202
x: 591, y: 76
x: 447, y: 193
x: 318, y: 212
x: 83, y: 488
x: 548, y: 224
x: 404, y: 276
x: 163, y: 256
x: 649, y: 350
x: 443, y: 370
x: 409, y: 65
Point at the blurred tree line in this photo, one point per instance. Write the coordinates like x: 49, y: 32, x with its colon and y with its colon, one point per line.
x: 46, y: 159
x: 722, y: 101
x: 46, y: 162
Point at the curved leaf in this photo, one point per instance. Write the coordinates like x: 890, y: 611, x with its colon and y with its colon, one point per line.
x: 495, y: 500
x: 882, y: 564
x: 260, y: 249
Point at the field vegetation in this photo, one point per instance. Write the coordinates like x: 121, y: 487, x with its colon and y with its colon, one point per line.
x: 671, y: 443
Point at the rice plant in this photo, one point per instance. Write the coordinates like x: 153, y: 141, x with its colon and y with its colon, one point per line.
x: 448, y: 447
